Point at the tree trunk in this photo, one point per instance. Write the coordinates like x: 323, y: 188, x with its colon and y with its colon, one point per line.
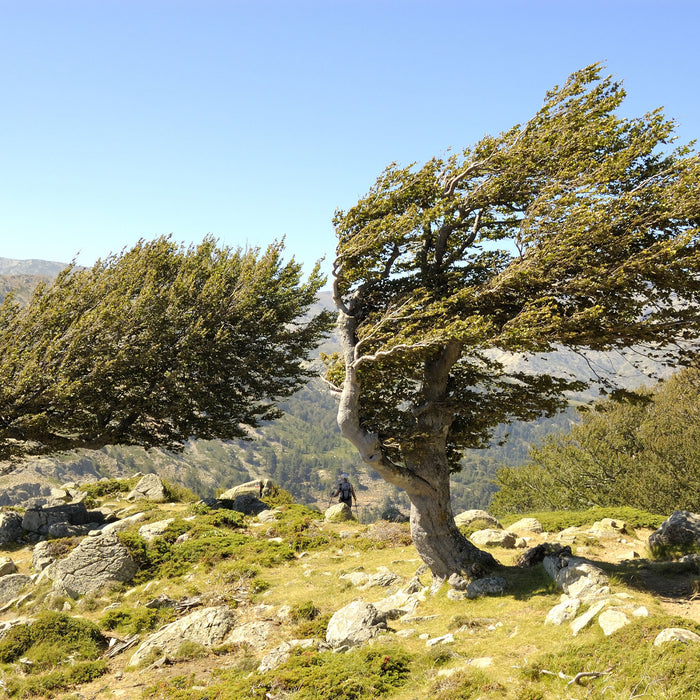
x: 436, y: 537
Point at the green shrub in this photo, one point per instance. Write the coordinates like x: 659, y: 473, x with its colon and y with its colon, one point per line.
x: 99, y: 489
x: 557, y: 520
x: 48, y: 684
x: 135, y: 620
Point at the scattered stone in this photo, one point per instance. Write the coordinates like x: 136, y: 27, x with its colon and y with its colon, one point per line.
x: 11, y: 586
x: 383, y: 578
x: 208, y: 627
x: 492, y: 585
x: 338, y: 513
x: 96, y: 563
x: 65, y: 520
x: 355, y: 624
x: 681, y: 528
x: 150, y: 531
x: 10, y: 527
x: 563, y: 612
x: 467, y: 517
x: 584, y: 620
x: 641, y: 612
x: 578, y: 578
x: 611, y: 621
x: 119, y: 525
x: 356, y: 578
x: 676, y: 634
x: 255, y: 634
x: 41, y: 556
x: 150, y: 487
x: 7, y: 566
x: 526, y: 525
x: 607, y: 526
x: 536, y: 555
x: 268, y: 516
x: 493, y: 538
x: 444, y: 639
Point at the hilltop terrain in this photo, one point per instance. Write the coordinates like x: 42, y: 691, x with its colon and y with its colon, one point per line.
x: 223, y: 605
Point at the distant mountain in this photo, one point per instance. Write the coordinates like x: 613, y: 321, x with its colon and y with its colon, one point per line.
x: 43, y: 268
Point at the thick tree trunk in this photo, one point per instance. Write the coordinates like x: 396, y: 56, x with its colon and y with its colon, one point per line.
x: 436, y: 537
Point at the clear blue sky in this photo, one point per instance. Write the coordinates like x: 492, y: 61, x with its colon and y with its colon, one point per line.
x: 255, y: 119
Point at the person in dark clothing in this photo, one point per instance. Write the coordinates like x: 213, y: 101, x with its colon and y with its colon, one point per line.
x: 345, y: 491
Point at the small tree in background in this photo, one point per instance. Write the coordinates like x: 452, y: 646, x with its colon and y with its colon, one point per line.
x: 578, y: 229
x: 155, y: 346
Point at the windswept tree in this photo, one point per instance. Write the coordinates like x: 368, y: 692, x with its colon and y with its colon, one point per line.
x: 155, y: 346
x: 578, y: 229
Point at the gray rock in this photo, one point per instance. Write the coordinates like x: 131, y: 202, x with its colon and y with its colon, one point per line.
x: 258, y: 488
x: 267, y: 516
x: 681, y: 528
x: 10, y: 527
x: 56, y: 520
x: 563, y: 612
x: 584, y: 620
x: 467, y: 517
x: 607, y: 526
x: 492, y: 585
x: 676, y: 634
x: 150, y: 531
x: 493, y: 538
x: 248, y: 504
x: 255, y: 634
x: 150, y: 487
x: 96, y: 563
x: 355, y: 624
x: 7, y: 566
x: 536, y: 555
x: 208, y: 627
x: 11, y: 586
x: 338, y: 513
x: 383, y: 578
x: 123, y: 524
x: 526, y: 525
x: 578, y: 578
x: 611, y: 621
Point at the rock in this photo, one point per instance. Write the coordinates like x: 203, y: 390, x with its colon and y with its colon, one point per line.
x: 536, y: 555
x: 119, y: 525
x: 676, y: 634
x: 65, y: 520
x: 584, y: 620
x: 258, y: 488
x: 492, y: 585
x: 255, y: 634
x: 208, y: 627
x: 467, y: 517
x: 10, y: 527
x: 149, y: 487
x: 7, y: 566
x: 356, y: 578
x: 150, y: 531
x: 281, y: 653
x: 578, y: 578
x: 338, y: 513
x: 563, y: 612
x: 394, y: 515
x: 96, y: 563
x: 681, y: 528
x: 493, y: 538
x: 607, y: 526
x: 444, y: 639
x: 641, y: 612
x: 383, y: 578
x: 248, y: 504
x: 526, y: 525
x: 404, y: 601
x: 612, y: 620
x: 355, y: 624
x: 267, y: 516
x: 11, y: 586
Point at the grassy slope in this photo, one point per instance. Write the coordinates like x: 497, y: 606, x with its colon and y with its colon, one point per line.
x: 501, y: 646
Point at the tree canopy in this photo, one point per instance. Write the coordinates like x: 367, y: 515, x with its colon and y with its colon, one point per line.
x: 578, y: 229
x: 641, y: 453
x: 154, y: 346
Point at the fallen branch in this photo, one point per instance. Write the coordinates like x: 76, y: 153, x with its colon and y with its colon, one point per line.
x: 588, y: 674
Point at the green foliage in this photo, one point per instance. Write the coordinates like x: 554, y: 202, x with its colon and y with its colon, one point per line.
x: 111, y: 487
x: 48, y: 684
x: 135, y: 620
x: 154, y: 346
x: 464, y: 685
x: 641, y: 452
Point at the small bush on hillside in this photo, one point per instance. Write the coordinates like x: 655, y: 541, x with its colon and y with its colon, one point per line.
x: 463, y: 685
x: 135, y: 620
x: 99, y: 489
x: 48, y: 684
x: 557, y: 520
x: 384, y: 534
x: 175, y: 493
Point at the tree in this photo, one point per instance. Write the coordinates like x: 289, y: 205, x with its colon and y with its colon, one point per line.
x: 155, y: 346
x: 578, y: 229
x: 641, y: 453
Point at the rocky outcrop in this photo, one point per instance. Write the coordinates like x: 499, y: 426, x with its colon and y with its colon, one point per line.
x: 7, y: 566
x: 98, y: 562
x: 65, y: 520
x: 208, y: 627
x: 150, y: 487
x: 536, y: 555
x: 578, y: 578
x: 10, y: 527
x: 493, y: 538
x: 281, y: 653
x: 11, y: 586
x: 150, y: 531
x: 681, y: 529
x: 676, y: 634
x: 355, y: 624
x: 260, y: 488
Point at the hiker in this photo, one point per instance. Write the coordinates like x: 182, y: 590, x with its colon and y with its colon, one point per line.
x: 345, y: 491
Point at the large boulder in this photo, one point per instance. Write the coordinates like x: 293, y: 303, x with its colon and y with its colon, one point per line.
x: 676, y: 634
x: 208, y: 627
x: 535, y: 555
x: 682, y: 528
x: 10, y: 527
x: 578, y: 578
x: 526, y: 525
x: 355, y: 624
x: 7, y: 566
x: 98, y: 562
x: 259, y: 488
x: 63, y: 520
x: 338, y: 513
x: 493, y: 538
x: 150, y: 487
